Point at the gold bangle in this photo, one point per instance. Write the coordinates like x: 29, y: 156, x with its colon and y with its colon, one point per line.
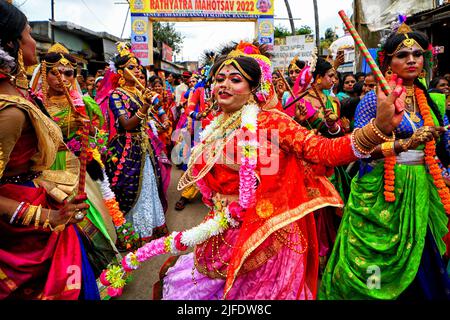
x: 38, y: 217
x: 380, y: 134
x: 140, y: 115
x: 405, y: 144
x: 387, y: 148
x: 47, y: 221
x: 61, y: 227
x: 29, y: 215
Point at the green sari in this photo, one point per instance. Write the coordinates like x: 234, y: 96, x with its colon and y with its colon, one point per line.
x: 379, y: 245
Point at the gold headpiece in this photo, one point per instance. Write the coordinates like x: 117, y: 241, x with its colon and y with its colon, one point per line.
x: 408, y: 42
x: 293, y: 64
x: 59, y: 48
x: 124, y: 49
x: 231, y: 60
x: 404, y: 28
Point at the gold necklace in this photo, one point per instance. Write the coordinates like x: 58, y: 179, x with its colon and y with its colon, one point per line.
x: 410, y: 100
x: 211, y: 150
x: 133, y: 90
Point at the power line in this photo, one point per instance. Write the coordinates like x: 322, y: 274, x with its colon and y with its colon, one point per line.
x: 95, y: 16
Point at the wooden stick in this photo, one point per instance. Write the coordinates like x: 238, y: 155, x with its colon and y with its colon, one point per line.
x: 143, y: 89
x: 141, y: 86
x: 362, y: 47
x: 296, y: 100
x: 83, y: 155
x: 286, y: 84
x: 333, y: 116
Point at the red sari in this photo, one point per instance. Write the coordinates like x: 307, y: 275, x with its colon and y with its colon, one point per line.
x: 273, y: 254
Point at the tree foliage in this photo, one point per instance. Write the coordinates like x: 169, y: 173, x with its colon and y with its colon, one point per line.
x: 330, y: 36
x: 165, y: 32
x: 281, y: 31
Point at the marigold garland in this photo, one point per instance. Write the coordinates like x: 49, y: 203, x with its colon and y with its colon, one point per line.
x: 430, y: 160
x: 430, y: 152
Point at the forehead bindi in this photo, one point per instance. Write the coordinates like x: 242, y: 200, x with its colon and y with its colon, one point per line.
x: 229, y: 70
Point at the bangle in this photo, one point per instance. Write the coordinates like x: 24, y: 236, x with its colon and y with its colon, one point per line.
x: 405, y: 144
x: 379, y: 133
x: 22, y: 211
x: 16, y: 212
x: 387, y: 148
x: 335, y: 133
x: 47, y: 221
x: 38, y: 217
x: 140, y: 115
x: 29, y: 215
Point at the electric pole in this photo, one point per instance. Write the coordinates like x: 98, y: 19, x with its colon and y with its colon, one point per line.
x: 291, y: 21
x: 316, y: 18
x: 52, y: 20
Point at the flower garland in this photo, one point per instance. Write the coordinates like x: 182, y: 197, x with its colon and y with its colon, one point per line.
x: 430, y: 151
x: 249, y: 156
x: 115, y: 277
x: 389, y: 178
x: 125, y: 231
x: 430, y: 159
x: 122, y: 160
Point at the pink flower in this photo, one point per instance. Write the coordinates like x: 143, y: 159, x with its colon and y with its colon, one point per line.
x: 235, y: 210
x: 125, y: 265
x: 114, y: 292
x: 178, y: 244
x: 103, y: 279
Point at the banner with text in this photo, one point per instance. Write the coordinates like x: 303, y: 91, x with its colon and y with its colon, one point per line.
x: 301, y: 46
x: 265, y: 32
x: 140, y: 39
x: 220, y: 9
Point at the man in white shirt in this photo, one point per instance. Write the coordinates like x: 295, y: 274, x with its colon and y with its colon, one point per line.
x: 182, y: 87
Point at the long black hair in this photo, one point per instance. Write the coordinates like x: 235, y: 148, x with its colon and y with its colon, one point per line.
x: 322, y: 67
x: 12, y: 24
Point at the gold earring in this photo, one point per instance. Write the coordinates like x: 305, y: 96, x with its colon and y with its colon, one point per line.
x: 389, y: 73
x: 423, y: 74
x: 21, y: 77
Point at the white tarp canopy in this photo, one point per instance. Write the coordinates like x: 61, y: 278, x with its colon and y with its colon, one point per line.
x: 379, y: 15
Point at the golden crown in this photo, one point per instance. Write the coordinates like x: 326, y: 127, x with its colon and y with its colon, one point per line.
x: 58, y: 48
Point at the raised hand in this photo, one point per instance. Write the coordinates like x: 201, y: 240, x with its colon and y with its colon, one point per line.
x: 390, y: 109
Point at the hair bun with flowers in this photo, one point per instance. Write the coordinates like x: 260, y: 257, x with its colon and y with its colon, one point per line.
x: 252, y: 50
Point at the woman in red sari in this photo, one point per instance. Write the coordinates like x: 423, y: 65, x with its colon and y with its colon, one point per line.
x: 262, y: 175
x: 41, y: 253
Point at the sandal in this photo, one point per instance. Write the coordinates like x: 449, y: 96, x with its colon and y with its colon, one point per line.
x: 181, y: 204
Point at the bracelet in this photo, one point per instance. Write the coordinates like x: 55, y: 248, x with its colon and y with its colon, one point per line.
x: 335, y: 133
x: 47, y: 221
x: 22, y: 211
x: 38, y: 217
x: 388, y: 149
x: 61, y: 227
x: 379, y: 133
x: 355, y: 148
x: 140, y: 115
x: 405, y: 144
x: 16, y: 212
x: 29, y: 215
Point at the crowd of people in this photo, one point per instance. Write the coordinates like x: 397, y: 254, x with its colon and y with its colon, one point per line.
x: 318, y: 185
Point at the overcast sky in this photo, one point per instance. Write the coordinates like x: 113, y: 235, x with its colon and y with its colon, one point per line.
x: 109, y: 16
